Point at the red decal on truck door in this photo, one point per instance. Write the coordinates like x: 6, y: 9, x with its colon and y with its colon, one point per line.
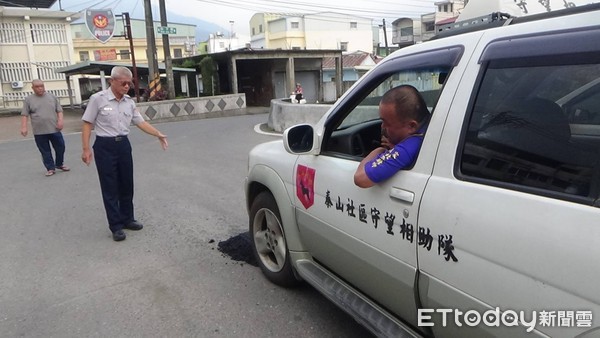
x: 305, y: 185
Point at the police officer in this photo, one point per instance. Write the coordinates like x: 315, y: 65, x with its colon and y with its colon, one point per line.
x: 110, y: 112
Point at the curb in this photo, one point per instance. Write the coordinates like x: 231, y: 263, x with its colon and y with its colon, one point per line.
x: 264, y: 129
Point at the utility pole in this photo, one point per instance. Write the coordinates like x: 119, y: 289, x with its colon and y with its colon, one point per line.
x: 153, y: 72
x: 387, y: 49
x: 128, y: 35
x: 167, y: 49
x: 230, y: 33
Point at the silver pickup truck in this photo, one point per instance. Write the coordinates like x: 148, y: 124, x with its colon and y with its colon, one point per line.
x: 494, y: 229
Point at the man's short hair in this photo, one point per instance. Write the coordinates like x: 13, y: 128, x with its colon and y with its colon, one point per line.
x: 408, y: 102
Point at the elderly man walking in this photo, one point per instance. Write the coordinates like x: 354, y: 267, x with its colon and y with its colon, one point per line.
x: 46, y: 116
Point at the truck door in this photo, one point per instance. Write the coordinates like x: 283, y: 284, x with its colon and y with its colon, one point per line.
x: 369, y: 236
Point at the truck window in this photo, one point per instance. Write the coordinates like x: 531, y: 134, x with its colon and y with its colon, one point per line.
x: 359, y: 132
x: 535, y: 126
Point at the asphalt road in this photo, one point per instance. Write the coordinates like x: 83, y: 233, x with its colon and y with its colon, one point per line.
x: 63, y: 276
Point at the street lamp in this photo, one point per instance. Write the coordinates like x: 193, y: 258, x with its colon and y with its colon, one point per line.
x: 230, y: 33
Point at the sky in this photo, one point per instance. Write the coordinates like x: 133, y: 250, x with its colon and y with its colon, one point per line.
x: 235, y: 15
x: 222, y: 12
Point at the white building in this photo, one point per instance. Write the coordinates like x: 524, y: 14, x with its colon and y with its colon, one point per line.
x: 325, y: 30
x: 220, y: 42
x: 33, y: 43
x: 408, y: 31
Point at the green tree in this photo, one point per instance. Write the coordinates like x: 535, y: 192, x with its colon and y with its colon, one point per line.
x: 189, y: 64
x: 210, y: 78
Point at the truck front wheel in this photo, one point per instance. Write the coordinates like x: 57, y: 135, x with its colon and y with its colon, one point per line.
x: 268, y: 241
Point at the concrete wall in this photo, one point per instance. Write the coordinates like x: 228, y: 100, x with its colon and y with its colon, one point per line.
x: 285, y: 114
x: 194, y: 107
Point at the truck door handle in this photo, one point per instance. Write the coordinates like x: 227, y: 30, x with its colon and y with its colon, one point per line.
x: 403, y: 195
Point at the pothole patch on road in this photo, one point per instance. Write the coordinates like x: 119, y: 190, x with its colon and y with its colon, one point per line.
x: 238, y: 248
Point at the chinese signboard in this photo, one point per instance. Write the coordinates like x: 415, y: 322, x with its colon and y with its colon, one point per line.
x: 105, y: 54
x: 166, y: 30
x: 101, y: 23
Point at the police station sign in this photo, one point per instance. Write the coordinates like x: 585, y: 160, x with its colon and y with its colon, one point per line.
x: 101, y: 23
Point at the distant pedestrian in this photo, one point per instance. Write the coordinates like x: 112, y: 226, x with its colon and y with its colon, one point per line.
x: 298, y: 92
x: 46, y: 116
x: 111, y: 112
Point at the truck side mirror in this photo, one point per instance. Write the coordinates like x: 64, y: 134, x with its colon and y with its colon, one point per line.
x: 300, y: 139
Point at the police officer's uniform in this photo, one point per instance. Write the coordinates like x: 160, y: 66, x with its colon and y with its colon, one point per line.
x: 111, y: 119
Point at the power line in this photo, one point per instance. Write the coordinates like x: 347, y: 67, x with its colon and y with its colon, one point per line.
x: 283, y: 6
x: 389, y: 9
x: 87, y: 2
x: 83, y: 6
x: 135, y: 6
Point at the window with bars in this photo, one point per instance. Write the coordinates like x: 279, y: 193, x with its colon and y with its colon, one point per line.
x: 15, y: 71
x: 12, y: 33
x: 124, y: 53
x: 60, y: 93
x: 15, y: 99
x: 48, y: 33
x: 406, y: 31
x: 46, y: 70
x: 84, y: 55
x: 21, y: 71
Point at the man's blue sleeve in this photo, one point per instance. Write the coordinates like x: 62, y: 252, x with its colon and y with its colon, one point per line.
x: 402, y: 156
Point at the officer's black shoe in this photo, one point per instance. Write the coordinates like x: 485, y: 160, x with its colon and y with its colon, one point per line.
x: 133, y: 225
x: 119, y: 235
